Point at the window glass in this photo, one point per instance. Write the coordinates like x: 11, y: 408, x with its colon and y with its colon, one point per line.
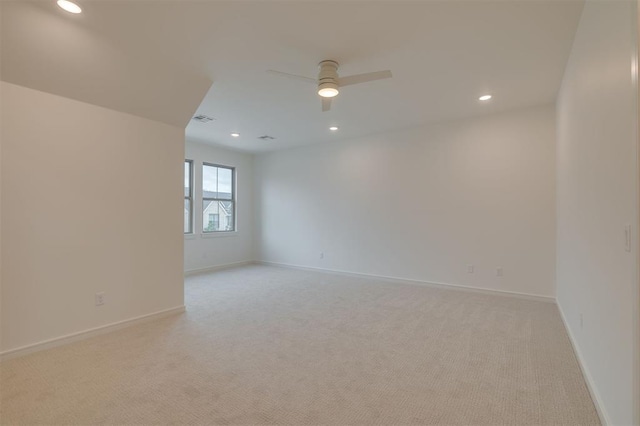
x: 218, y: 198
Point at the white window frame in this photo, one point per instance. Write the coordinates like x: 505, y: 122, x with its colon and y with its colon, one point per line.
x: 190, y: 197
x: 232, y: 200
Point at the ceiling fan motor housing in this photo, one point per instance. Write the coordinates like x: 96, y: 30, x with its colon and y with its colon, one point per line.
x: 328, y: 79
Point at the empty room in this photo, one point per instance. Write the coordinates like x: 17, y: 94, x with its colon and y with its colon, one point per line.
x: 317, y: 212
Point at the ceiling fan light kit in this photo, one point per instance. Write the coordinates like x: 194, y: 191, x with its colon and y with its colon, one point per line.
x: 328, y: 90
x: 329, y: 83
x: 328, y: 79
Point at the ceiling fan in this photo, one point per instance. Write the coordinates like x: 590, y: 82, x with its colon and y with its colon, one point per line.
x: 329, y: 83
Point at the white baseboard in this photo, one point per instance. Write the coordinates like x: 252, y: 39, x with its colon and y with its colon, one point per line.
x: 595, y: 395
x: 81, y: 335
x: 217, y: 268
x: 411, y: 281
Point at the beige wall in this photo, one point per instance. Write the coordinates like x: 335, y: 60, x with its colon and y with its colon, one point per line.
x: 637, y: 230
x: 420, y: 204
x: 597, y: 281
x: 78, y: 182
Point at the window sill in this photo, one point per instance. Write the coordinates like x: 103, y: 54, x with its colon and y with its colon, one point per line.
x: 219, y: 234
x: 189, y: 236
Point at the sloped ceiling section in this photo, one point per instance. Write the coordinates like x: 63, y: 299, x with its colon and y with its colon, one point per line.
x: 54, y: 53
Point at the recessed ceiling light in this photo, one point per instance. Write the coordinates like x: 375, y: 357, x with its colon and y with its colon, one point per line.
x: 69, y: 6
x: 484, y: 97
x: 333, y: 128
x: 235, y: 135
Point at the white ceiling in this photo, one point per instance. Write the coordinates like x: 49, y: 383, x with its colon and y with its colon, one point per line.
x: 443, y: 55
x: 47, y: 49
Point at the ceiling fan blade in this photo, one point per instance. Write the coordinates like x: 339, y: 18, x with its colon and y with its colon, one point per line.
x: 293, y: 76
x: 326, y: 104
x: 363, y: 78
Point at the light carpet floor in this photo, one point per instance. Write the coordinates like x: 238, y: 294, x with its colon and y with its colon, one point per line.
x: 265, y: 345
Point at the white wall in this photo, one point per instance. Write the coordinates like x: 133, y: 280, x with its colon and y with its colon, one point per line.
x: 420, y: 204
x: 207, y: 251
x: 597, y: 197
x: 1, y: 127
x: 78, y: 183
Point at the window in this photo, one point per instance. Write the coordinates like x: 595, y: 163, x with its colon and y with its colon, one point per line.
x: 218, y: 198
x: 214, y: 222
x: 188, y: 196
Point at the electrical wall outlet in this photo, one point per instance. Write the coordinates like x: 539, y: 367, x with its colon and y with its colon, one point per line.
x: 470, y: 269
x: 499, y: 271
x: 321, y: 255
x: 99, y: 299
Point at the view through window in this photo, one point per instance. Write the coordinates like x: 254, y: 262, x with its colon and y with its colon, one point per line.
x: 218, y: 198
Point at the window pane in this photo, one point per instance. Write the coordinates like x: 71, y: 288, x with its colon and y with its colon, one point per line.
x: 187, y: 178
x: 187, y: 216
x: 209, y: 181
x: 217, y: 216
x: 225, y: 183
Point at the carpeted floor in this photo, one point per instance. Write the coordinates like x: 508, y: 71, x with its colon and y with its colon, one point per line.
x: 265, y: 345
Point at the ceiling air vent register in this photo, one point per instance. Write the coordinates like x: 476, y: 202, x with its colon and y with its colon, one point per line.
x: 203, y: 118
